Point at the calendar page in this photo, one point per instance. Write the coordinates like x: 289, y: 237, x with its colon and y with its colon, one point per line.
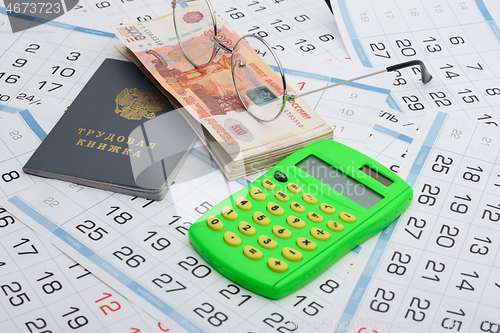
x: 437, y: 268
x: 390, y: 139
x: 458, y: 40
x: 42, y: 76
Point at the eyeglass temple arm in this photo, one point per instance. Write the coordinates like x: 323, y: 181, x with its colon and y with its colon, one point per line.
x: 426, y: 77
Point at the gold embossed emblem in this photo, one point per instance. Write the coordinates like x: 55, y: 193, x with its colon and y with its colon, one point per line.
x: 135, y: 103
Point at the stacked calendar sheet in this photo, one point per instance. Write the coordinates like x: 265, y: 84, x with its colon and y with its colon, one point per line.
x: 435, y: 269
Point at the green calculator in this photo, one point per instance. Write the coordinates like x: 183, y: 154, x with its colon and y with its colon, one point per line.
x: 292, y: 223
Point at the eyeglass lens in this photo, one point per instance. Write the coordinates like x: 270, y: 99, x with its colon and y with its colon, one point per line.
x: 194, y: 26
x: 260, y: 88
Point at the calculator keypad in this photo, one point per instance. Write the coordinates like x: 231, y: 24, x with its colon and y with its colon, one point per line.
x: 265, y: 243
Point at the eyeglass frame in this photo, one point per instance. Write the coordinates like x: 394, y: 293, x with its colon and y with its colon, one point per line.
x: 425, y: 75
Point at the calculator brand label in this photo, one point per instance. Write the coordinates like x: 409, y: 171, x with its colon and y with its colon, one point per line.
x: 25, y: 14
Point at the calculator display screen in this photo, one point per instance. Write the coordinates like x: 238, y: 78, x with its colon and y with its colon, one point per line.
x: 339, y: 181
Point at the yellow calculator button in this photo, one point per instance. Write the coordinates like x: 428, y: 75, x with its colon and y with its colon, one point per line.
x: 320, y: 234
x: 214, y: 223
x: 243, y: 203
x: 246, y: 229
x: 252, y: 253
x: 291, y: 254
x: 294, y: 188
x: 281, y: 232
x: 268, y: 184
x: 275, y: 209
x: 229, y: 213
x: 277, y: 265
x: 309, y: 198
x: 347, y: 217
x: 335, y: 226
x: 282, y: 196
x: 327, y: 209
x: 261, y: 219
x: 257, y: 194
x: 231, y: 239
x: 296, y: 207
x: 267, y: 243
x: 306, y: 244
x: 295, y: 222
x: 315, y: 217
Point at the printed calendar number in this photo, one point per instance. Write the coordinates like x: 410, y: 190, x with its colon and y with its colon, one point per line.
x: 10, y: 176
x: 398, y: 263
x: 14, y: 294
x: 198, y: 270
x: 112, y: 307
x: 435, y: 268
x: 166, y: 279
x: 215, y: 319
x: 382, y: 305
x: 37, y: 325
x: 74, y: 319
x: 90, y: 229
x: 5, y: 218
x: 49, y: 286
x: 233, y: 290
x: 311, y: 309
x: 277, y: 318
x: 416, y: 307
x: 134, y: 261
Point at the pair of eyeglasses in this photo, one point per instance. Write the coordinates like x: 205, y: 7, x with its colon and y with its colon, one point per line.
x: 265, y: 102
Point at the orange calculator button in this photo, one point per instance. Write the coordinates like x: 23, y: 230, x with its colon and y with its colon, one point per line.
x: 309, y: 198
x: 306, y: 244
x: 281, y: 232
x: 347, y: 217
x: 261, y: 219
x: 294, y: 188
x: 296, y: 207
x: 246, y: 229
x: 315, y: 217
x: 335, y: 226
x: 320, y: 234
x: 268, y: 184
x: 282, y: 196
x: 295, y: 222
x: 267, y: 243
x: 252, y: 253
x: 229, y: 213
x: 277, y: 265
x: 231, y: 239
x: 214, y: 223
x: 327, y: 209
x: 275, y: 209
x: 243, y: 203
x: 257, y: 194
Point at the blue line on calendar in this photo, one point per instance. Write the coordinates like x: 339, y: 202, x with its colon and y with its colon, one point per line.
x: 488, y: 18
x: 392, y: 133
x: 392, y: 103
x: 376, y: 255
x: 330, y: 79
x: 106, y: 266
x: 9, y: 109
x: 28, y: 119
x: 32, y: 124
x: 351, y: 30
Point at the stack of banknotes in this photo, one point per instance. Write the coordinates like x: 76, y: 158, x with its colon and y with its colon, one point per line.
x: 208, y: 100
